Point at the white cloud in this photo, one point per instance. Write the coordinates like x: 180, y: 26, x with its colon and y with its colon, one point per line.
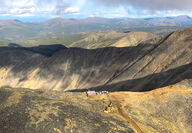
x: 71, y: 10
x: 100, y: 8
x: 20, y: 3
x: 62, y: 10
x: 22, y: 10
x: 37, y: 7
x: 149, y: 4
x: 148, y: 7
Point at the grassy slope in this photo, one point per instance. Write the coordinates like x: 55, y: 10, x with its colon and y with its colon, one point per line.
x: 47, y: 40
x: 4, y: 42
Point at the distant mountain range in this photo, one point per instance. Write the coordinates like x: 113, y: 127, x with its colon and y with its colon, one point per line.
x: 178, y: 20
x: 17, y: 30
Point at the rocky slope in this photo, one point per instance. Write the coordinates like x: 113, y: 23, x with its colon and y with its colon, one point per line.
x: 159, y: 62
x: 23, y: 110
x: 159, y: 111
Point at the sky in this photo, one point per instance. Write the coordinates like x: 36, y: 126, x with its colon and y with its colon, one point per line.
x: 39, y: 10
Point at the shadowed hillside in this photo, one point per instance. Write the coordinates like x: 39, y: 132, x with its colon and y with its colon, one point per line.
x: 59, y: 68
x: 150, y: 82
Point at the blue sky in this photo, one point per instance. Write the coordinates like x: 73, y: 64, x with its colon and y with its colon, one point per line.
x: 39, y: 10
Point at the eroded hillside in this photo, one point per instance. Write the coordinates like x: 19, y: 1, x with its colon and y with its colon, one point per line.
x: 156, y: 63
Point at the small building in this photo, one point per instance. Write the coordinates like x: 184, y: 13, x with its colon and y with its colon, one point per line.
x: 91, y: 93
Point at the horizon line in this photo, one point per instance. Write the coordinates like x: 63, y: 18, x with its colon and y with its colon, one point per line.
x: 44, y: 19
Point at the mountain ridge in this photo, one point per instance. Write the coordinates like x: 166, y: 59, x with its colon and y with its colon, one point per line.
x: 76, y: 68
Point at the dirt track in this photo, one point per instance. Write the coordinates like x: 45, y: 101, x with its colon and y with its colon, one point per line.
x: 120, y: 110
x: 124, y: 115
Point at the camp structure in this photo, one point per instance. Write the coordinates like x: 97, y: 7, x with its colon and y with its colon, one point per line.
x: 102, y: 92
x: 91, y: 93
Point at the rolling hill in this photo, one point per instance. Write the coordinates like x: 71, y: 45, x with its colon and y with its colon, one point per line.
x: 88, y: 40
x: 15, y: 30
x: 101, y: 39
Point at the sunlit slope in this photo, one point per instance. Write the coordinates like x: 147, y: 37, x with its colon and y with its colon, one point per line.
x: 133, y: 39
x: 40, y: 111
x: 165, y: 109
x: 115, y: 39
